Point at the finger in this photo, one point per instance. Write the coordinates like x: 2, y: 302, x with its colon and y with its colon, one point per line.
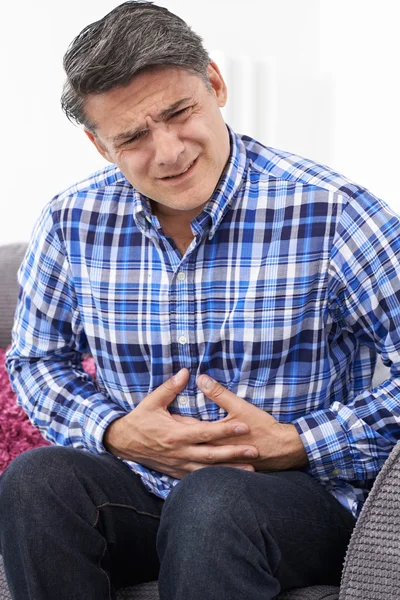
x: 167, y: 391
x: 185, y: 420
x: 197, y: 466
x: 235, y: 427
x: 237, y: 466
x: 208, y: 432
x: 219, y: 394
x: 212, y: 455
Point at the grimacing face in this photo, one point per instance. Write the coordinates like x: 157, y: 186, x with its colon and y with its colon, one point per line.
x: 165, y: 132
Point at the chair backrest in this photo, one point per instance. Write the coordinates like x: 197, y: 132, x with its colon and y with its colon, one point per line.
x: 11, y: 256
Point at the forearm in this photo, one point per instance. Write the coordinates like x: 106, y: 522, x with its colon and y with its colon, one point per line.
x: 352, y: 440
x: 286, y: 452
x: 62, y: 401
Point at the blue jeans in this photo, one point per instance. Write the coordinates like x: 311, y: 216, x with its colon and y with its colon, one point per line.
x: 77, y: 526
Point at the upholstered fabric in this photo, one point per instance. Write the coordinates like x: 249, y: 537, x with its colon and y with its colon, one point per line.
x: 372, y: 565
x: 148, y: 591
x: 317, y: 592
x: 4, y: 592
x: 10, y: 258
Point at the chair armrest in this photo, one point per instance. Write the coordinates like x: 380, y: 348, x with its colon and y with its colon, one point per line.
x: 371, y: 568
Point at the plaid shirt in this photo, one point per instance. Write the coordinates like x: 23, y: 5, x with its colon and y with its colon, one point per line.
x: 285, y: 294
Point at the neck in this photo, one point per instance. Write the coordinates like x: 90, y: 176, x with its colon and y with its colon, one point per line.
x: 176, y: 224
x: 166, y: 213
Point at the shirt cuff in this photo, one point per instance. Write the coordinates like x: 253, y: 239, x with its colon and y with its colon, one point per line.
x: 326, y: 444
x: 98, y: 415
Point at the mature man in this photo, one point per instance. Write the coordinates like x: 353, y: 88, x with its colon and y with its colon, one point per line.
x: 233, y: 298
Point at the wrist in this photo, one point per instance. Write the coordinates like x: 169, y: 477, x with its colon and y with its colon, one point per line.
x: 287, y: 450
x: 297, y: 454
x: 112, y: 437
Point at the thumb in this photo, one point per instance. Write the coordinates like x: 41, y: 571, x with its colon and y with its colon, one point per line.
x: 162, y: 396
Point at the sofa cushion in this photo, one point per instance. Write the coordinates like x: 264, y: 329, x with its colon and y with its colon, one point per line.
x: 148, y: 591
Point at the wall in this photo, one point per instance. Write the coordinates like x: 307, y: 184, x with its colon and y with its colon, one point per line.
x: 325, y: 103
x: 360, y: 53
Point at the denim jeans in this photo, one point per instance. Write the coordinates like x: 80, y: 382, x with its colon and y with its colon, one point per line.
x: 77, y: 526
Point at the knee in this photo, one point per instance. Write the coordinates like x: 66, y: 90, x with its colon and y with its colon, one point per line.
x: 208, y: 497
x: 32, y: 475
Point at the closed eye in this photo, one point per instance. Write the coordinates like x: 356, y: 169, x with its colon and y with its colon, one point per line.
x: 134, y: 138
x: 180, y: 112
x: 140, y: 134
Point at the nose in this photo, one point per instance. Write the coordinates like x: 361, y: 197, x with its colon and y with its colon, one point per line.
x: 167, y: 145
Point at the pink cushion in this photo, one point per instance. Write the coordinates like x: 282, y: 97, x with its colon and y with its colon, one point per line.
x: 17, y: 434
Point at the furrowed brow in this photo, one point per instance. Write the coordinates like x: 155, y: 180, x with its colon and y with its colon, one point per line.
x: 164, y: 114
x: 125, y: 135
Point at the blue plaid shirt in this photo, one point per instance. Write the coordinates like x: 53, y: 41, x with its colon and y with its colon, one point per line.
x: 287, y: 291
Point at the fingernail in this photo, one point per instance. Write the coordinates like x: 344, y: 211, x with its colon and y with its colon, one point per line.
x: 178, y: 378
x: 249, y: 453
x: 206, y: 382
x: 240, y: 429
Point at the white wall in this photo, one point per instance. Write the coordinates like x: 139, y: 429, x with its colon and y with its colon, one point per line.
x: 328, y: 103
x: 360, y: 53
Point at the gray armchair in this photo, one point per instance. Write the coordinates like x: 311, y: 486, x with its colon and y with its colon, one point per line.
x: 371, y: 569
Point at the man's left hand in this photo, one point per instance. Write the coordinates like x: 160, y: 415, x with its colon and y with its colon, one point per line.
x: 279, y: 445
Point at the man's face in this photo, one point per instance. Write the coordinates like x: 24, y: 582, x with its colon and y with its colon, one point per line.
x: 166, y: 133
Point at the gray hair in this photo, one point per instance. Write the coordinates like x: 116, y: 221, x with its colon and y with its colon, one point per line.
x: 133, y: 37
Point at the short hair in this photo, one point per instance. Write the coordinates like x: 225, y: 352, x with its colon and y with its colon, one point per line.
x: 133, y: 37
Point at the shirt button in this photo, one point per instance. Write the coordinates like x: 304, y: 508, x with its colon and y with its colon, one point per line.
x: 182, y: 399
x: 336, y: 472
x: 182, y: 339
x: 181, y: 276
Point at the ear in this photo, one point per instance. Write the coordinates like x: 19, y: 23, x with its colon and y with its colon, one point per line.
x: 217, y: 83
x: 99, y: 146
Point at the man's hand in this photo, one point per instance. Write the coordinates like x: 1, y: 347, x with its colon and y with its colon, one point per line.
x: 151, y: 436
x: 279, y: 445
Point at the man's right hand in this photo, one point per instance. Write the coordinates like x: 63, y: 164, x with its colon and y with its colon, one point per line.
x: 150, y: 436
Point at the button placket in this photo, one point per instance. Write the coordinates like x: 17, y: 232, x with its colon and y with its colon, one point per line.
x: 182, y: 331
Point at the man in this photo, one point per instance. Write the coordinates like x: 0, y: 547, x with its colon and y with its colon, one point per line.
x: 234, y: 298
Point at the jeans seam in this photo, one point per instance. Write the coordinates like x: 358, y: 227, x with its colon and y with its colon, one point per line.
x: 105, y: 541
x: 101, y: 558
x: 116, y: 504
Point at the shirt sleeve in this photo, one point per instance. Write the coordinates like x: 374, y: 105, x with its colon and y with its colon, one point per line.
x: 45, y: 359
x: 351, y: 439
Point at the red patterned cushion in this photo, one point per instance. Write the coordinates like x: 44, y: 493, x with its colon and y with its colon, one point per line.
x: 17, y: 434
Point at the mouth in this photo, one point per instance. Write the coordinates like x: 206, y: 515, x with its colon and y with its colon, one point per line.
x: 182, y: 174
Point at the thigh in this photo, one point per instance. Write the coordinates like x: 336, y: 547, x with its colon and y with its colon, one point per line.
x: 72, y: 491
x: 128, y: 516
x: 289, y: 524
x: 311, y: 527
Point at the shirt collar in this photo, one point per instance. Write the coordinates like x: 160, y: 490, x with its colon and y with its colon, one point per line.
x: 229, y: 183
x: 220, y: 201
